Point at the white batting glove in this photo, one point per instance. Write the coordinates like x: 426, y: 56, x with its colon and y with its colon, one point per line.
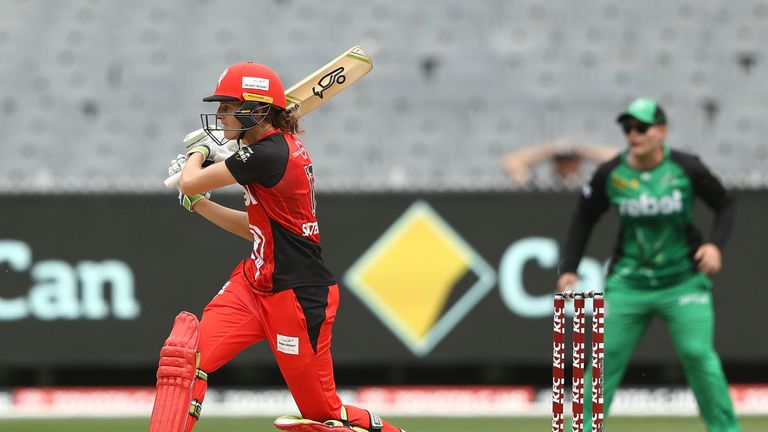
x: 206, y: 149
x: 228, y: 149
x: 189, y: 201
x: 211, y: 151
x: 199, y: 142
x: 177, y: 165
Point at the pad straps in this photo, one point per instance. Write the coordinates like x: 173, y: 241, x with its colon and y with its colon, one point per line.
x: 196, y: 407
x: 376, y: 423
x: 343, y: 416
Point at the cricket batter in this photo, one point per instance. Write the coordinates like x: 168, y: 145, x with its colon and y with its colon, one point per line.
x: 661, y: 264
x: 282, y: 293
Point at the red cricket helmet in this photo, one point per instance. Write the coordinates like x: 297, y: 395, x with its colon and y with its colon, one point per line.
x: 249, y: 82
x: 256, y: 86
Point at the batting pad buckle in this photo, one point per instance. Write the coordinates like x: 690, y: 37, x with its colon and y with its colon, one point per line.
x: 200, y: 374
x: 195, y: 408
x: 376, y: 423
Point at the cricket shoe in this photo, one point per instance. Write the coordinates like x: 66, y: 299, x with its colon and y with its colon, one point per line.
x: 297, y: 424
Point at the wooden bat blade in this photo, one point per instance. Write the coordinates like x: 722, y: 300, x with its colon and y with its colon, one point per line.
x: 328, y: 81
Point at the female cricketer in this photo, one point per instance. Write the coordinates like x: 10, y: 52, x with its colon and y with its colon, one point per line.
x: 281, y: 293
x: 661, y: 263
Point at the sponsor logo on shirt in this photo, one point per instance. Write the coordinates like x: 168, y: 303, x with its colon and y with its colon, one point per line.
x: 623, y: 184
x: 244, y: 154
x: 646, y: 205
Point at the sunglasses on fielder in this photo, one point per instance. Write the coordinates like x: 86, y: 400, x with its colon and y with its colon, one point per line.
x: 640, y: 128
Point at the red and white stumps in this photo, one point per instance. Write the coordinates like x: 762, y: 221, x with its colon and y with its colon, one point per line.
x: 577, y: 390
x: 558, y: 365
x: 598, y: 320
x: 578, y: 360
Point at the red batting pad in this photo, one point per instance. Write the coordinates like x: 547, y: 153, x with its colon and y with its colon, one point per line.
x: 175, y: 374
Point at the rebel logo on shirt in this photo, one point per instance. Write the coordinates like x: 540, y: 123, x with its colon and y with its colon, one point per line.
x: 646, y: 205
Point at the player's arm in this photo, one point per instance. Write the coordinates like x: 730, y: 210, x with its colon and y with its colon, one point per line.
x: 518, y: 163
x: 592, y: 204
x: 596, y: 152
x: 195, y: 179
x: 709, y: 188
x: 262, y: 163
x: 234, y: 221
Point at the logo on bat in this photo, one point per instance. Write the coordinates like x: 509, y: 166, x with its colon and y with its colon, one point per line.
x: 328, y: 80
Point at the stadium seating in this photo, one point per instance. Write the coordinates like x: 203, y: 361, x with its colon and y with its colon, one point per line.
x: 99, y: 96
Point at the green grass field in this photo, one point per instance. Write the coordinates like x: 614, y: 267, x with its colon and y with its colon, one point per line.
x: 412, y: 424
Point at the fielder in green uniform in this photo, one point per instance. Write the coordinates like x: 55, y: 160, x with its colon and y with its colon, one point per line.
x: 661, y: 262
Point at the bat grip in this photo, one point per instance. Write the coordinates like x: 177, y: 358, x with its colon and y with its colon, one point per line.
x: 172, y: 181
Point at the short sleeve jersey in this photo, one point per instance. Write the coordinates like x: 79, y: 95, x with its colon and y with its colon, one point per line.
x: 278, y: 182
x: 657, y: 238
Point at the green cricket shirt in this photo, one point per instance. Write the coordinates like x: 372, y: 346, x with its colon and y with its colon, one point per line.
x: 657, y: 239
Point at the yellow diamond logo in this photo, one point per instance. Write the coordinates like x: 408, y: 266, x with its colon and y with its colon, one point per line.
x: 420, y: 278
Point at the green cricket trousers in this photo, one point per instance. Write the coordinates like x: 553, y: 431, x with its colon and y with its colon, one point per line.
x: 687, y: 311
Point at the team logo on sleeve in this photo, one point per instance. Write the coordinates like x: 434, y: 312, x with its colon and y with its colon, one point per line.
x: 244, y: 154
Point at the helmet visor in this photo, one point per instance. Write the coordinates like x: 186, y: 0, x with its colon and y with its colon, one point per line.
x: 248, y: 116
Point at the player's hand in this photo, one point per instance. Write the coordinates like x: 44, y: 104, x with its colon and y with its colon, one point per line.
x: 177, y: 165
x: 205, y: 148
x: 517, y: 171
x: 210, y: 149
x: 189, y: 201
x: 567, y: 282
x: 709, y: 258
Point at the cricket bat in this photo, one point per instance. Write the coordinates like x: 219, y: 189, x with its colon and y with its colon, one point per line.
x: 311, y: 92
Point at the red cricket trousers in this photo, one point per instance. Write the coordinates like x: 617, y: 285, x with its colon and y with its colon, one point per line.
x: 296, y: 324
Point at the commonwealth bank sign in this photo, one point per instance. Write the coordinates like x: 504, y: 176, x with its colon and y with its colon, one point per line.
x: 420, y: 278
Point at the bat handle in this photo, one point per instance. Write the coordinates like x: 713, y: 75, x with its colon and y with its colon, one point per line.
x: 172, y: 181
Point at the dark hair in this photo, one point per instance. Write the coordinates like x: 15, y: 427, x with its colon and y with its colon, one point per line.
x: 285, y: 120
x: 566, y: 156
